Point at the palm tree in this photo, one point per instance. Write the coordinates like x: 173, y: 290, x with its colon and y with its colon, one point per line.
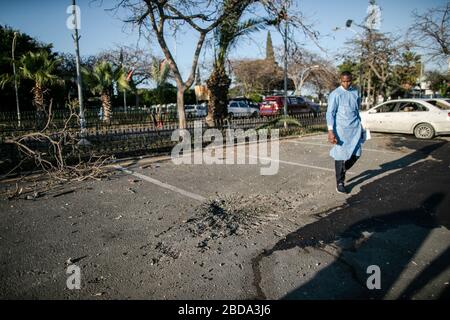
x: 40, y: 68
x: 101, y: 80
x: 226, y: 36
x: 159, y: 72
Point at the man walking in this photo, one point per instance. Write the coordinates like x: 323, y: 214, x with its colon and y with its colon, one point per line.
x: 344, y: 128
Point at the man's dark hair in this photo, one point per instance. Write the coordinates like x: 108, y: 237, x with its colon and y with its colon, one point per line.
x: 346, y: 73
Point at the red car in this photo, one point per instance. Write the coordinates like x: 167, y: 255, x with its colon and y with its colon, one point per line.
x: 274, y: 105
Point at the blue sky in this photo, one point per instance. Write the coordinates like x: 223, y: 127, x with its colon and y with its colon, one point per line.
x: 100, y: 30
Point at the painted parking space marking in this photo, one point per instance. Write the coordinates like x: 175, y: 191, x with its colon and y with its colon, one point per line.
x: 189, y: 154
x: 298, y: 164
x: 329, y: 146
x: 162, y: 184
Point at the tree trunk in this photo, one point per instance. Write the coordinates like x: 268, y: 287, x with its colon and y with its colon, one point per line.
x: 38, y: 93
x: 297, y: 86
x: 369, y: 91
x: 38, y: 101
x: 106, y: 105
x: 180, y: 108
x: 218, y: 85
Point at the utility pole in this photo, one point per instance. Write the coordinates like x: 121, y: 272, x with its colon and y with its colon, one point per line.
x: 285, y: 60
x: 15, y: 77
x: 76, y: 39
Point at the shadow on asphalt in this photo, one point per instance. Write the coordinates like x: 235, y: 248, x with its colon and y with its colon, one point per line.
x: 407, y: 204
x: 394, y: 165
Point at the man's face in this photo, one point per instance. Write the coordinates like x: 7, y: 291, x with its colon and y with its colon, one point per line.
x: 346, y: 82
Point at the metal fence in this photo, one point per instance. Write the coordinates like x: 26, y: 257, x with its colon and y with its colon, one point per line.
x: 136, y: 138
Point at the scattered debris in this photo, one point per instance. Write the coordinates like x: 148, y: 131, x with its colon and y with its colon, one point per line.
x: 75, y: 260
x: 63, y: 193
x: 168, y: 250
x: 34, y: 196
x: 98, y: 294
x: 230, y: 215
x: 278, y: 234
x: 18, y: 191
x: 131, y: 190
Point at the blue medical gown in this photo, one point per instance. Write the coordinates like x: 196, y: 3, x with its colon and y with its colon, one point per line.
x: 343, y: 116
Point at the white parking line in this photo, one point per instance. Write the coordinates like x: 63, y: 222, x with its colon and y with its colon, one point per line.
x: 280, y: 161
x: 163, y: 185
x: 298, y: 164
x: 321, y: 137
x: 329, y: 145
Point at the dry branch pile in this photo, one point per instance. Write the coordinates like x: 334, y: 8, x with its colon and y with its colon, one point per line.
x: 56, y: 154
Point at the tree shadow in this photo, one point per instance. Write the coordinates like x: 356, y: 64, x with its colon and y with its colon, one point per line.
x: 385, y: 224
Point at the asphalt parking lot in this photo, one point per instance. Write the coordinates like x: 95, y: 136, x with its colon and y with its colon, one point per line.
x: 156, y: 230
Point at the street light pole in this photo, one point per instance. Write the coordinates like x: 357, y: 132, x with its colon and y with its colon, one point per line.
x: 15, y: 77
x: 76, y: 39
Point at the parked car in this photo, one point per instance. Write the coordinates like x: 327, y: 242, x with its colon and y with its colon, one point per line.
x: 314, y: 107
x: 238, y: 109
x: 247, y: 101
x: 274, y: 105
x: 411, y: 116
x: 441, y: 103
x: 195, y: 110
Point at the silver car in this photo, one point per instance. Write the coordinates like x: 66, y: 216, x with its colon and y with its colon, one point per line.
x: 195, y: 110
x: 238, y: 109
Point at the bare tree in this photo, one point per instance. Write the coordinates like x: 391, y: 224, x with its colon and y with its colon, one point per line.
x: 431, y: 31
x: 135, y: 60
x: 377, y: 54
x: 161, y: 18
x: 257, y: 76
x: 324, y: 79
x: 304, y: 64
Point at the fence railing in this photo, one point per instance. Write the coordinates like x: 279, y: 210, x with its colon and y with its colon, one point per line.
x: 139, y: 138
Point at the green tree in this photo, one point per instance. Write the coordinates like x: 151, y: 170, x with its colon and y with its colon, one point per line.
x: 101, y: 80
x: 439, y: 82
x: 349, y: 66
x: 39, y: 68
x: 24, y: 44
x: 159, y: 72
x: 270, y: 55
x: 228, y: 32
x: 405, y: 73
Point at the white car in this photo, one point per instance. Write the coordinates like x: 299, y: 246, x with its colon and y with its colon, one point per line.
x: 195, y: 110
x: 242, y: 109
x: 411, y: 116
x: 441, y: 103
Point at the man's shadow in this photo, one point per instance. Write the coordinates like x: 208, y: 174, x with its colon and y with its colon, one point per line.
x: 403, y: 162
